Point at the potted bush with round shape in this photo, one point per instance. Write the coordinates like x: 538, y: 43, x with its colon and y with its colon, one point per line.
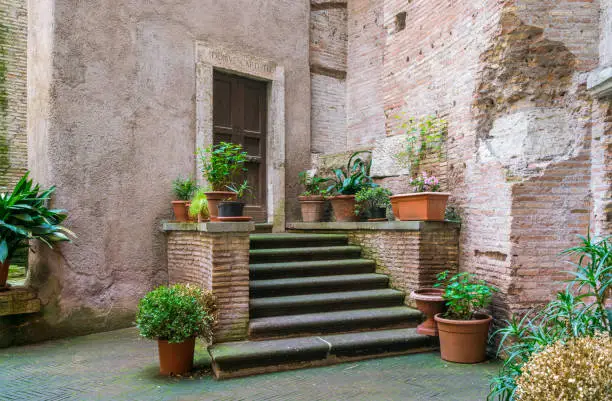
x: 183, y: 191
x: 312, y: 200
x: 427, y: 203
x: 175, y: 316
x: 198, y: 207
x: 347, y: 182
x: 373, y: 202
x: 431, y: 302
x: 233, y: 209
x: 462, y: 329
x: 26, y: 217
x: 222, y: 165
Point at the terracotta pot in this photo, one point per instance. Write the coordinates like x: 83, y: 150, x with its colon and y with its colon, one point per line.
x: 420, y: 206
x: 180, y: 211
x: 430, y: 302
x: 313, y: 208
x: 344, y: 207
x: 4, y: 271
x: 213, y: 201
x: 176, y: 359
x: 464, y: 341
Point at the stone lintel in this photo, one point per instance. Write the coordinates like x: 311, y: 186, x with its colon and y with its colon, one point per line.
x: 599, y: 82
x: 226, y: 227
x: 19, y: 300
x: 374, y: 226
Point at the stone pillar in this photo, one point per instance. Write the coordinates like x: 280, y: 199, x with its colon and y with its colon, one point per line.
x: 214, y: 256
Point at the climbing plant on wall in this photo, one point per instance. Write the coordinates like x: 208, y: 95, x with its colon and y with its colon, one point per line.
x: 4, y: 160
x: 424, y: 137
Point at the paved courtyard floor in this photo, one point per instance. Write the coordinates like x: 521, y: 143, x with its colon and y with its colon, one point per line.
x: 121, y: 366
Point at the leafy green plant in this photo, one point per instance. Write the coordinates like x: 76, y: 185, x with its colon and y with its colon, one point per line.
x: 356, y: 175
x: 578, y: 311
x: 184, y: 188
x: 370, y: 198
x: 222, y: 164
x: 452, y: 214
x: 199, y: 205
x: 176, y: 313
x: 24, y: 216
x: 423, y: 136
x: 240, y: 190
x: 312, y: 183
x: 464, y: 294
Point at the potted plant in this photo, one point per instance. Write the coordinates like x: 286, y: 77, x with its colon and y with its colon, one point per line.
x: 198, y: 207
x: 25, y: 217
x: 426, y: 203
x: 175, y: 316
x: 430, y: 301
x: 463, y: 329
x: 233, y: 210
x: 373, y: 201
x: 347, y: 182
x: 183, y: 191
x: 312, y: 200
x: 221, y: 165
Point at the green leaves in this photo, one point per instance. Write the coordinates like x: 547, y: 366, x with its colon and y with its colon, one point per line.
x: 222, y: 164
x: 424, y: 136
x: 312, y: 183
x: 176, y: 313
x: 24, y: 216
x: 354, y: 177
x: 377, y: 197
x: 464, y: 294
x: 184, y: 188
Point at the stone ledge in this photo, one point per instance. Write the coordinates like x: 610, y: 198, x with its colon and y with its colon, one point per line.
x: 599, y: 82
x: 374, y: 226
x: 226, y: 227
x: 18, y: 300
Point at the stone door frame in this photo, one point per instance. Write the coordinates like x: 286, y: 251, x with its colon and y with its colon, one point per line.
x: 210, y: 58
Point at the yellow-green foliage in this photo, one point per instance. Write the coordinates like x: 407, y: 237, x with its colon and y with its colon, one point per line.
x: 580, y: 369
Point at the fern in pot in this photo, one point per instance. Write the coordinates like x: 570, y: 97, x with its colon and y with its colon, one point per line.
x: 175, y: 316
x: 183, y: 191
x: 464, y: 328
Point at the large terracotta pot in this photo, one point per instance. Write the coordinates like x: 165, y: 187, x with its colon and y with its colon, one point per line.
x: 430, y: 301
x: 176, y: 359
x: 214, y: 198
x: 464, y: 341
x: 344, y: 207
x: 180, y: 211
x: 4, y: 271
x: 313, y: 208
x: 420, y: 206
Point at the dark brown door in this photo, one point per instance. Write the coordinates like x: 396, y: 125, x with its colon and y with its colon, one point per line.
x: 239, y: 116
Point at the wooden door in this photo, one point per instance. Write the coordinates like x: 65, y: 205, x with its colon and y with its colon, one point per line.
x: 239, y: 116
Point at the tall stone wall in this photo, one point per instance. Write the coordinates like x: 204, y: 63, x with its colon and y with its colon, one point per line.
x: 13, y: 91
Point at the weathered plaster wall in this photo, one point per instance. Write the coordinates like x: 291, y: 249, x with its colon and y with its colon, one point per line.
x: 13, y: 90
x: 113, y: 123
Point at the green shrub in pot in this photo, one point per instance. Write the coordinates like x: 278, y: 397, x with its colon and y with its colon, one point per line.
x: 372, y: 200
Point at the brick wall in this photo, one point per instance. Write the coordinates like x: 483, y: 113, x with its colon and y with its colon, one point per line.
x: 218, y: 262
x: 13, y: 90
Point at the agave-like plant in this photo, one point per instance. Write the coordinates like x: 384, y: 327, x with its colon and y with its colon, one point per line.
x: 24, y: 216
x: 354, y: 177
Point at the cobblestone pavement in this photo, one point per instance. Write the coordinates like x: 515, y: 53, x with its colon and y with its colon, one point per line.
x: 121, y: 366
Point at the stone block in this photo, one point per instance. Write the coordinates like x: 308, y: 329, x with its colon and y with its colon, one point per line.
x: 18, y: 301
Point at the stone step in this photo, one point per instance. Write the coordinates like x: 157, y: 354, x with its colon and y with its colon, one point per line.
x: 333, y: 301
x: 264, y: 228
x: 278, y: 270
x: 315, y: 285
x: 334, y: 322
x: 255, y: 357
x: 290, y: 240
x: 305, y: 253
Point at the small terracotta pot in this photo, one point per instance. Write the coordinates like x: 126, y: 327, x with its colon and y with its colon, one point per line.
x: 4, y: 271
x: 214, y: 198
x: 313, y: 208
x: 430, y: 301
x: 176, y: 359
x: 180, y: 211
x: 464, y: 341
x: 420, y: 206
x: 344, y: 207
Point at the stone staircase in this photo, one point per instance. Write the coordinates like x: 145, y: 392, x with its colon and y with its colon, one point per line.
x: 314, y: 301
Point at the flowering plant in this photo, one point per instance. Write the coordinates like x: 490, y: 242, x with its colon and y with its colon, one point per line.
x: 425, y: 183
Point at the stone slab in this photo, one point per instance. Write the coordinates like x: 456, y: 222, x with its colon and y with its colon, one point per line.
x: 226, y: 227
x: 599, y: 82
x: 18, y: 301
x: 372, y: 226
